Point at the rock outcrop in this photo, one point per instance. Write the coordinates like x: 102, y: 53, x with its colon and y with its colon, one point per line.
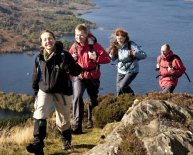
x: 164, y: 129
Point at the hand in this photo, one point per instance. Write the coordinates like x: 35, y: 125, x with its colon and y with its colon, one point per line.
x: 171, y: 70
x: 92, y: 55
x: 131, y: 53
x: 75, y: 56
x: 157, y: 66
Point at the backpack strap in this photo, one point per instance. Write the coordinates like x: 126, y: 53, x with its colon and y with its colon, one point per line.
x: 129, y: 45
x: 65, y: 63
x: 37, y: 62
x: 187, y: 76
x: 91, y: 46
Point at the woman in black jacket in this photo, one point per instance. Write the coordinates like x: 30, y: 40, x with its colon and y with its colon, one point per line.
x: 52, y: 84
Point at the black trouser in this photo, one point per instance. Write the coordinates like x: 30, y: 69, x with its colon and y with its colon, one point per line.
x: 39, y: 135
x: 66, y: 135
x: 39, y: 130
x: 79, y: 86
x: 123, y: 82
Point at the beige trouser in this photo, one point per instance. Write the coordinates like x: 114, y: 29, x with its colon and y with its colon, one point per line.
x: 44, y: 104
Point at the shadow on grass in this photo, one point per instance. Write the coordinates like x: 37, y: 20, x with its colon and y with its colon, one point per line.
x: 62, y: 153
x: 87, y: 146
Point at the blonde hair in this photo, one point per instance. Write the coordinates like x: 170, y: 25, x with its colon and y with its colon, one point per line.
x: 82, y: 27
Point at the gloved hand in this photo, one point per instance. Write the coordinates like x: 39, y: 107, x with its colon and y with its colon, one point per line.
x: 75, y: 56
x: 92, y: 55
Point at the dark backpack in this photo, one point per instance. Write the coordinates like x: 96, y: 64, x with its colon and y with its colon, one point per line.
x: 174, y: 56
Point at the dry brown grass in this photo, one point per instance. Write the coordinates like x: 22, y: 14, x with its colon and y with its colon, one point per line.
x: 14, y: 140
x: 131, y: 144
x: 16, y: 135
x: 181, y: 99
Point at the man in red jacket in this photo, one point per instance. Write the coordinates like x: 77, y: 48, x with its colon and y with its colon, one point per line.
x: 89, y: 55
x: 170, y: 68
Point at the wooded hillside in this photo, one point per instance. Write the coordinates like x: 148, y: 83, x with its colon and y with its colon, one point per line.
x: 21, y: 21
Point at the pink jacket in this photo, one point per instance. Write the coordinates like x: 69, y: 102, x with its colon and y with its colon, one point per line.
x: 91, y: 68
x: 169, y: 77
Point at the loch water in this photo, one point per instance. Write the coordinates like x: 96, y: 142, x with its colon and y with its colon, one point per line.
x: 150, y: 23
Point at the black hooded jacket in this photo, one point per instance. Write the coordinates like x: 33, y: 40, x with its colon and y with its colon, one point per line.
x: 53, y: 76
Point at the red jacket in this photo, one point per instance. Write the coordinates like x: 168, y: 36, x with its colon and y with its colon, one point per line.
x: 169, y: 77
x: 90, y: 67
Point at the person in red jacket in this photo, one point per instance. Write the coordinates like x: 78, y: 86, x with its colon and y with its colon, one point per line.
x: 170, y: 68
x: 89, y: 55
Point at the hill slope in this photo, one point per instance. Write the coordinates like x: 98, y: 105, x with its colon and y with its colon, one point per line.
x: 22, y: 20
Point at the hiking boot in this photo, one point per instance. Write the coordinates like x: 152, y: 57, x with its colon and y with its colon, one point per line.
x: 66, y: 145
x: 35, y: 148
x: 66, y: 137
x: 90, y: 124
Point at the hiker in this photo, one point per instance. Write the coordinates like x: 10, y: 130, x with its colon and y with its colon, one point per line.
x: 127, y: 53
x: 169, y: 70
x: 51, y: 84
x: 89, y: 54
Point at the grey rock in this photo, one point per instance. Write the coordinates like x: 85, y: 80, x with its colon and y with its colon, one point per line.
x: 154, y: 129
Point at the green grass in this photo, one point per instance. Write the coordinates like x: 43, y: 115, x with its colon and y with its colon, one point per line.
x: 81, y: 144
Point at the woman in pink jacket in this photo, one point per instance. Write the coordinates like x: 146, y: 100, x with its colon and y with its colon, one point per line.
x: 170, y: 68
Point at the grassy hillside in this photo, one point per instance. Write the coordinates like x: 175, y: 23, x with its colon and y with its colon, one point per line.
x: 19, y: 137
x: 14, y: 138
x: 16, y: 133
x: 23, y: 20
